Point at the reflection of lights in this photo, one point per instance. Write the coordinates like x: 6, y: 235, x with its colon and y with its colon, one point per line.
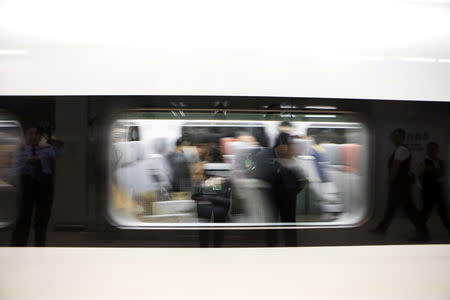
x: 444, y: 60
x: 320, y: 107
x: 182, y: 113
x: 418, y: 59
x: 287, y: 116
x: 287, y: 106
x: 13, y: 52
x: 320, y: 116
x: 174, y: 114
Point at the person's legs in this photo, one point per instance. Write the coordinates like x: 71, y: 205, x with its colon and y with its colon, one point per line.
x: 428, y: 203
x: 204, y: 211
x: 442, y: 209
x: 271, y: 215
x: 22, y: 228
x: 388, y: 215
x: 416, y: 218
x: 288, y: 214
x: 220, y: 216
x: 220, y: 213
x: 43, y: 212
x: 288, y: 208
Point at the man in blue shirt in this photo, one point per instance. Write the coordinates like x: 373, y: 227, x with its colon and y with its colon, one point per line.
x: 33, y: 166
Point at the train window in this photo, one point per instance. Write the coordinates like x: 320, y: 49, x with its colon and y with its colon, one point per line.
x: 10, y: 138
x: 237, y: 169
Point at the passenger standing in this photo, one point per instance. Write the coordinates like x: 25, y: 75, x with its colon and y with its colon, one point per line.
x: 321, y: 158
x: 34, y: 166
x: 212, y: 193
x: 273, y: 167
x: 399, y: 188
x: 180, y: 174
x: 285, y: 127
x: 432, y: 177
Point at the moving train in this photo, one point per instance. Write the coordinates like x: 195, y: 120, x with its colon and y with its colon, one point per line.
x: 128, y: 87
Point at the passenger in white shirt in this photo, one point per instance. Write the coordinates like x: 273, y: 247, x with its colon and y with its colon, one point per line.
x: 400, y: 184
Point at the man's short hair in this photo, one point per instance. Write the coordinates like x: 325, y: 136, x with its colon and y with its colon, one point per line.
x: 179, y: 142
x: 285, y: 124
x: 283, y: 139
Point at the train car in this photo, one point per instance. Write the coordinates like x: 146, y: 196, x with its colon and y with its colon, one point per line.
x: 122, y: 167
x: 309, y: 169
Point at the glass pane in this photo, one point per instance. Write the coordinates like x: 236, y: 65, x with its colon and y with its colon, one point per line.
x: 237, y: 169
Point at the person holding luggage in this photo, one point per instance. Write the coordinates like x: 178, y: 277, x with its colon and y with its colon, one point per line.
x: 276, y: 167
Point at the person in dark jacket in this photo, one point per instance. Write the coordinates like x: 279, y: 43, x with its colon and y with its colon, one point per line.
x: 276, y: 167
x: 432, y: 177
x: 213, y: 196
x: 212, y: 193
x: 180, y: 178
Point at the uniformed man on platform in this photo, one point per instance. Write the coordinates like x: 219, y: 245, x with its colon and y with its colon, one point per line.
x: 33, y: 165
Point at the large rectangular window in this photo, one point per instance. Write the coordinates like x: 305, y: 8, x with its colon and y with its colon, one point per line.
x: 237, y: 168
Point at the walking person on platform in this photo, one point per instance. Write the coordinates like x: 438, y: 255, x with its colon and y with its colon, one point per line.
x: 400, y: 188
x: 432, y: 179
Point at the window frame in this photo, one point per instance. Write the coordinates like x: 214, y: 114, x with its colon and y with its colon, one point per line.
x: 364, y: 126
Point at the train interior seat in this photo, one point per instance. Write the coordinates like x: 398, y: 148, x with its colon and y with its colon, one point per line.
x: 226, y: 145
x: 333, y: 154
x: 146, y: 178
x: 350, y: 158
x: 323, y: 197
x: 344, y: 170
x: 251, y: 196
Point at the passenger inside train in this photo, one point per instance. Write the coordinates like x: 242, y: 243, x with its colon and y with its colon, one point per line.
x: 202, y: 172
